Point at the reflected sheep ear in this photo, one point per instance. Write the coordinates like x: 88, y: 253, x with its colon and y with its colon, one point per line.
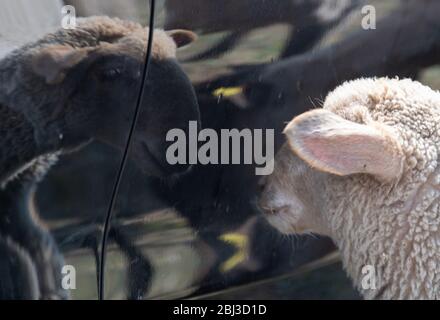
x: 332, y: 144
x: 182, y: 37
x: 54, y: 61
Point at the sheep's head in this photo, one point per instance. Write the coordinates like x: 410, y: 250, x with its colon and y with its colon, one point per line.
x: 364, y: 171
x: 84, y: 84
x: 346, y: 145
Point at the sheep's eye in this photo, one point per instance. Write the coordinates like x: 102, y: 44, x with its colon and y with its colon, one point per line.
x: 110, y: 74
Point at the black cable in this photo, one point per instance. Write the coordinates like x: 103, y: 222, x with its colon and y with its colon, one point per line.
x: 124, y: 157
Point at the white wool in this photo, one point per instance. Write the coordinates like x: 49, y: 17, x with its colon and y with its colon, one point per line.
x: 388, y: 226
x: 392, y: 227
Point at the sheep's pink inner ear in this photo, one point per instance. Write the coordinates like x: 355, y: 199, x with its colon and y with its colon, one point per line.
x: 53, y: 62
x: 332, y: 144
x: 182, y: 37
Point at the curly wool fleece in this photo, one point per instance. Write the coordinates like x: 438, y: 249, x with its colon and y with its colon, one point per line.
x: 393, y: 227
x: 364, y: 171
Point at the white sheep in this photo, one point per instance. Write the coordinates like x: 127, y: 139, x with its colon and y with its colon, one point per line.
x: 364, y: 171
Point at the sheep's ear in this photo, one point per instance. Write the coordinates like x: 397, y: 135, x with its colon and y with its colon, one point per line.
x: 54, y: 61
x: 332, y: 144
x: 182, y: 37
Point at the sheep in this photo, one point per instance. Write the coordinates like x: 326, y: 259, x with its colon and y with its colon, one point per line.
x: 64, y: 83
x: 73, y: 86
x: 364, y: 171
